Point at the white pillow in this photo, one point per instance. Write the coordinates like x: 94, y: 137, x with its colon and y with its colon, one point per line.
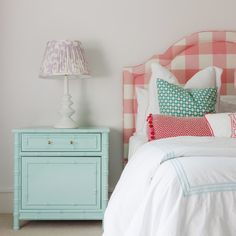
x: 227, y: 103
x: 142, y: 103
x: 222, y: 124
x: 209, y: 77
x: 161, y: 72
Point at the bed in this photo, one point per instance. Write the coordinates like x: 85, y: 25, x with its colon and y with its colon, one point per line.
x: 184, y: 185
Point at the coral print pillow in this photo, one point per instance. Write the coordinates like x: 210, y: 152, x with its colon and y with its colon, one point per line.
x: 177, y: 101
x: 222, y: 124
x: 161, y: 126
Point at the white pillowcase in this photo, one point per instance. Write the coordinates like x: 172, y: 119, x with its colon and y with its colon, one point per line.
x: 209, y: 77
x: 160, y: 72
x: 222, y: 124
x: 142, y: 103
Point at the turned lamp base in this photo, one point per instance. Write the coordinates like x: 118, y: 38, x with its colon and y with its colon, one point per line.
x: 66, y: 122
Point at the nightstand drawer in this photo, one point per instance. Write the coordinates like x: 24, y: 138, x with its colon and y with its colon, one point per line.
x: 62, y: 142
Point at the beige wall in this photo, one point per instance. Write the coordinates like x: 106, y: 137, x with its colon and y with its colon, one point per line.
x: 114, y: 33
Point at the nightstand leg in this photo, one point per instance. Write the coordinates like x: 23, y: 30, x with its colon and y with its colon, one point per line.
x: 16, y: 222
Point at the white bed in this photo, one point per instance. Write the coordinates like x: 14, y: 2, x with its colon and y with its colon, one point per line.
x: 178, y: 186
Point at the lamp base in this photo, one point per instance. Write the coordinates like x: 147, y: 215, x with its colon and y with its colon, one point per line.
x: 66, y: 123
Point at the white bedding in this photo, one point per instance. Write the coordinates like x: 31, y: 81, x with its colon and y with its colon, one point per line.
x: 183, y: 186
x: 136, y: 141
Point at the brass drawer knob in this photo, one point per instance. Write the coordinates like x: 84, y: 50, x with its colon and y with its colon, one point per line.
x: 49, y: 142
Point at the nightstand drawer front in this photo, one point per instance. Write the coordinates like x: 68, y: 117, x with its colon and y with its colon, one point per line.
x: 61, y: 183
x: 58, y: 142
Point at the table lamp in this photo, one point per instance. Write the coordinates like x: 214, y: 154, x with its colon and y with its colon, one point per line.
x: 64, y: 59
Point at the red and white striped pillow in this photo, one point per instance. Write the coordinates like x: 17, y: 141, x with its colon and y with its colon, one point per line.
x: 162, y: 126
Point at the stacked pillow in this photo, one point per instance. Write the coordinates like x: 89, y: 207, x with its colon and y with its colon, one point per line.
x: 177, y: 101
x: 142, y: 101
x: 200, y: 95
x: 217, y: 125
x: 222, y: 124
x: 209, y: 77
x: 162, y: 126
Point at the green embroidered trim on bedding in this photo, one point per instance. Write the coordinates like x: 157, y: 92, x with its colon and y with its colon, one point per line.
x: 200, y: 189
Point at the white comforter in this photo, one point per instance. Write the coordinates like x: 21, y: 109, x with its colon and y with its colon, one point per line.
x: 184, y: 186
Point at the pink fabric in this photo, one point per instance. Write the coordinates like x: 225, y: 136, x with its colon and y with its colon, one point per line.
x: 161, y: 126
x: 194, y: 52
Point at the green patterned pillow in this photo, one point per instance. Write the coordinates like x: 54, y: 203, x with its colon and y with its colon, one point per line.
x: 177, y: 101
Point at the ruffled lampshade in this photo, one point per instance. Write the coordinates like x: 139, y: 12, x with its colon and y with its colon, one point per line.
x: 64, y: 57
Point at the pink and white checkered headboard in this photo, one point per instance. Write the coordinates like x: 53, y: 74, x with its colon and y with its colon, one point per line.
x: 183, y: 59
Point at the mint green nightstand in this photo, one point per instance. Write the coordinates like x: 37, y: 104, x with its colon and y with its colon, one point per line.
x: 60, y: 174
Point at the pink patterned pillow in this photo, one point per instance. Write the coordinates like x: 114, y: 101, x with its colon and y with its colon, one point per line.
x: 162, y: 126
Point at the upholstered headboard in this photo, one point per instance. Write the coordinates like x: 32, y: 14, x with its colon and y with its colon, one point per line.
x: 183, y: 59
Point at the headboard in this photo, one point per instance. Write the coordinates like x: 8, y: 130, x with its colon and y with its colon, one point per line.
x: 183, y: 59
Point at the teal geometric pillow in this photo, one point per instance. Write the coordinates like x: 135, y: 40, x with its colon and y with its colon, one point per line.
x: 177, y: 101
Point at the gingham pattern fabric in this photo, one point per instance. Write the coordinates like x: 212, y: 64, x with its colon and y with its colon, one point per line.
x: 183, y: 59
x: 161, y: 126
x: 177, y: 101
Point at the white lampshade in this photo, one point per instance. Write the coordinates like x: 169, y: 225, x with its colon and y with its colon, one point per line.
x: 64, y: 57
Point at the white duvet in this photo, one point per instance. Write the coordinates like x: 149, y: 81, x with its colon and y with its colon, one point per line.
x: 183, y: 186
